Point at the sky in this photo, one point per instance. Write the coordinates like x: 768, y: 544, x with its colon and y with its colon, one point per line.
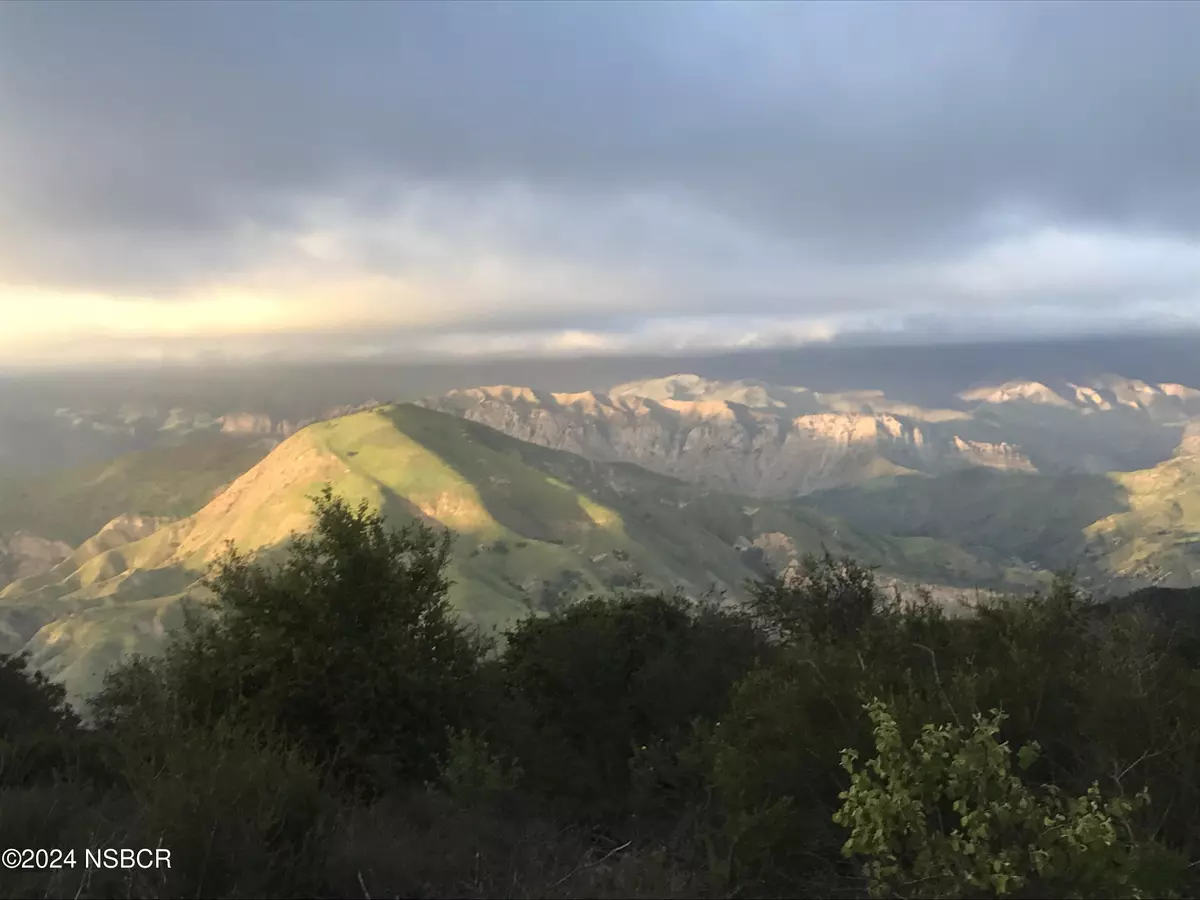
x: 450, y: 180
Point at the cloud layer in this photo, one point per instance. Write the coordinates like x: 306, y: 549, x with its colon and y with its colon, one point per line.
x: 555, y: 178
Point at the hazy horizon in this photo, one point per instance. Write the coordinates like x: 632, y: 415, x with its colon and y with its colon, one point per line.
x: 923, y: 373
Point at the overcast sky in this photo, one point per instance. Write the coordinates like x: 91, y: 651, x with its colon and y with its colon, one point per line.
x: 457, y: 178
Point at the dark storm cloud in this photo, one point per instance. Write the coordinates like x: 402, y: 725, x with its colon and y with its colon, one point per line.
x: 152, y: 146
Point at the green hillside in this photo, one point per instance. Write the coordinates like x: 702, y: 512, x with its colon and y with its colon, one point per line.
x: 169, y: 481
x: 1156, y: 537
x: 1122, y: 531
x: 534, y: 527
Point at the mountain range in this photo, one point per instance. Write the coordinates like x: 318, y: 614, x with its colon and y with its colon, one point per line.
x: 769, y: 440
x: 677, y: 482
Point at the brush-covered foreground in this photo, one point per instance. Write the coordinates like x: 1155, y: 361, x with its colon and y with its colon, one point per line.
x: 326, y: 726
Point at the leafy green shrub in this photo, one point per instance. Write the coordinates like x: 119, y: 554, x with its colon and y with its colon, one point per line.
x: 946, y: 816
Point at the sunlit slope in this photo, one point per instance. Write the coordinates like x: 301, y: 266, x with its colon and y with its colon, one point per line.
x: 1122, y: 530
x: 533, y: 527
x: 1156, y: 537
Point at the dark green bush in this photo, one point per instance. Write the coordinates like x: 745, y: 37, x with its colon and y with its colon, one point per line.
x: 348, y: 647
x: 602, y: 677
x: 30, y: 703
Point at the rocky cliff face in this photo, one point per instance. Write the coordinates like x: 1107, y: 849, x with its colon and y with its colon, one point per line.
x: 772, y: 448
x: 256, y: 423
x: 770, y: 440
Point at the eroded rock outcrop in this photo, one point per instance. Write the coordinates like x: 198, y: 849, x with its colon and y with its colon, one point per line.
x: 769, y: 441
